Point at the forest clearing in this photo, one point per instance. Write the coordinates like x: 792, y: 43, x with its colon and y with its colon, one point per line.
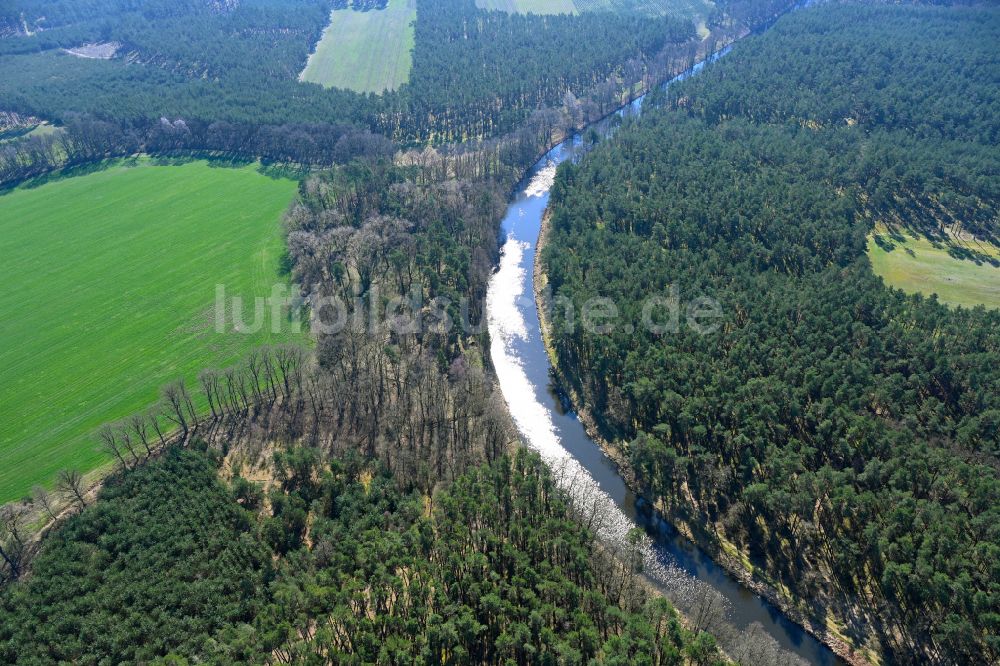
x: 917, y: 264
x: 365, y: 51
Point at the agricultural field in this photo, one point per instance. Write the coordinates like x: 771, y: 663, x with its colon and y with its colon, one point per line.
x: 109, y: 290
x: 916, y: 264
x: 365, y: 51
x: 696, y: 10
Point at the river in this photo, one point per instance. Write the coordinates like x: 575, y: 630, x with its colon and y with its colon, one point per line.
x: 671, y: 561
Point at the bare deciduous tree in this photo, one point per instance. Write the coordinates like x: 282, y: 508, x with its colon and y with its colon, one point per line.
x: 153, y: 417
x: 109, y: 443
x: 125, y: 438
x: 707, y: 610
x: 138, y: 424
x: 42, y: 498
x: 69, y: 483
x: 12, y: 542
x: 209, y: 380
x: 176, y: 398
x: 755, y: 647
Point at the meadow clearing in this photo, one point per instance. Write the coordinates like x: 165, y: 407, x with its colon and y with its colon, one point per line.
x: 368, y: 51
x: 109, y: 282
x: 916, y: 264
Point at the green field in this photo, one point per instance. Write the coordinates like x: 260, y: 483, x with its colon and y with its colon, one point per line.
x: 109, y: 285
x: 694, y: 9
x: 365, y: 51
x: 916, y: 264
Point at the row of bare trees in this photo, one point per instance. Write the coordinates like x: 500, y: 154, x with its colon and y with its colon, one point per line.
x: 372, y: 391
x: 267, y: 377
x: 18, y: 540
x: 385, y: 397
x: 270, y: 379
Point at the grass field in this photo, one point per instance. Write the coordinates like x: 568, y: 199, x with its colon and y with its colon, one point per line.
x: 365, y: 51
x: 915, y: 264
x: 109, y: 282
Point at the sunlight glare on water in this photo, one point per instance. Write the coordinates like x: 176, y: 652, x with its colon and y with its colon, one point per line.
x: 507, y: 299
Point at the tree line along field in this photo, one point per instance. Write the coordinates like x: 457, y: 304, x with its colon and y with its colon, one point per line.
x: 365, y: 51
x: 110, y: 281
x: 42, y: 129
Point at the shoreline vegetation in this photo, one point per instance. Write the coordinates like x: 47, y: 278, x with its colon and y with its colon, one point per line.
x: 93, y: 480
x: 721, y: 552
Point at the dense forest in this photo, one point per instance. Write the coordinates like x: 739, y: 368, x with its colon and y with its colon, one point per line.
x: 841, y: 432
x: 478, y: 73
x: 162, y: 562
x: 174, y: 59
x: 333, y: 560
x: 222, y: 77
x: 401, y: 460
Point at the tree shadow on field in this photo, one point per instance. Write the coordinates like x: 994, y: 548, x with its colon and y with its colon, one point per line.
x: 214, y: 159
x: 884, y: 243
x: 283, y: 171
x: 16, y: 132
x: 220, y: 160
x: 83, y: 169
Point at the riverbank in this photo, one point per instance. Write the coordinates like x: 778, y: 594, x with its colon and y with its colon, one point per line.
x: 722, y: 552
